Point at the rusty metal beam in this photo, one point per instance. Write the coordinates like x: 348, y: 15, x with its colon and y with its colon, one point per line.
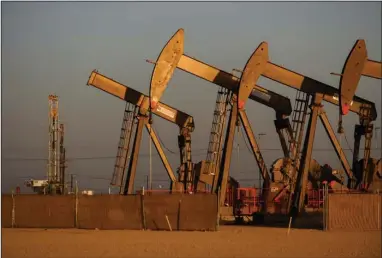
x: 139, y: 99
x: 366, y: 153
x: 129, y: 185
x: 220, y: 180
x: 283, y: 141
x: 184, y: 143
x: 172, y: 57
x: 372, y: 69
x: 254, y: 146
x: 160, y: 151
x: 311, y: 86
x: 337, y: 147
x: 227, y: 80
x: 359, y: 131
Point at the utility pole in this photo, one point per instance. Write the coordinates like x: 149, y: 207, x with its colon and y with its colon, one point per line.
x: 376, y: 136
x: 71, y: 183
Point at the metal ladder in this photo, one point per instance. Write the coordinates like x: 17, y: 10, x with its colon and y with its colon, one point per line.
x: 124, y: 144
x: 300, y: 112
x: 216, y: 136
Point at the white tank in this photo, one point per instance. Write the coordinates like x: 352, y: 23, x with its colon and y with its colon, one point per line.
x: 90, y: 192
x: 87, y: 192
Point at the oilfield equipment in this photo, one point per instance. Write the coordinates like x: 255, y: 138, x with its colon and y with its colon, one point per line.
x: 136, y: 116
x: 358, y: 64
x: 286, y: 186
x: 56, y: 167
x: 310, y: 92
x: 214, y: 170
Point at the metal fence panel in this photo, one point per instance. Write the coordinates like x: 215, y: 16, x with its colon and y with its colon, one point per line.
x: 109, y: 212
x: 354, y: 211
x: 183, y: 211
x: 6, y: 211
x: 41, y: 211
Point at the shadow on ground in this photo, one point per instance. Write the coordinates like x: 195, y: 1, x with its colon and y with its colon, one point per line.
x: 311, y: 220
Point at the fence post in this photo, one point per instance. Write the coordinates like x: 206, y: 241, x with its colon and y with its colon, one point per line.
x: 13, y: 210
x: 323, y: 208
x: 178, y: 219
x: 218, y: 210
x: 379, y: 209
x: 143, y: 208
x: 76, y: 208
x: 326, y: 206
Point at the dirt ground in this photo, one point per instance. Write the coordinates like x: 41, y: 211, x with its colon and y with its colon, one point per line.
x: 230, y: 241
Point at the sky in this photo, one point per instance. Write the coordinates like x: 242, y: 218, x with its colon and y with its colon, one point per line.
x: 52, y: 47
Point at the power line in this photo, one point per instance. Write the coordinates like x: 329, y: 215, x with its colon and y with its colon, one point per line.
x: 146, y: 155
x: 162, y: 143
x: 242, y: 135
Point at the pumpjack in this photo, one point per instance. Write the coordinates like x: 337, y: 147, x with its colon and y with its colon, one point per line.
x: 318, y: 92
x: 356, y: 65
x: 166, y: 64
x: 137, y: 113
x: 172, y: 57
x: 214, y: 170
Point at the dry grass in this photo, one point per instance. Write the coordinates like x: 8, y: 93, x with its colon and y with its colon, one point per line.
x: 230, y: 241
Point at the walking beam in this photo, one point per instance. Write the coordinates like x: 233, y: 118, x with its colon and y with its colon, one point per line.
x: 139, y: 99
x: 172, y: 56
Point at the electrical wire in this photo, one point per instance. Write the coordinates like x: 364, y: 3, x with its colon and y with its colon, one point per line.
x: 164, y: 146
x: 347, y: 142
x: 246, y: 144
x: 238, y: 148
x: 145, y: 155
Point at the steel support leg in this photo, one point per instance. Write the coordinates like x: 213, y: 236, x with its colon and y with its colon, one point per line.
x: 302, y: 177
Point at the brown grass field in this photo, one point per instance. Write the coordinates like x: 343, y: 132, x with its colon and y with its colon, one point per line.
x: 229, y: 241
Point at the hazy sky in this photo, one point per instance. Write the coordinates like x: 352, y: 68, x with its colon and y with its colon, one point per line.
x: 52, y: 47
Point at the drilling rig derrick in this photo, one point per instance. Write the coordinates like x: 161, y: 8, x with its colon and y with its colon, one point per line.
x: 56, y: 163
x: 56, y: 154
